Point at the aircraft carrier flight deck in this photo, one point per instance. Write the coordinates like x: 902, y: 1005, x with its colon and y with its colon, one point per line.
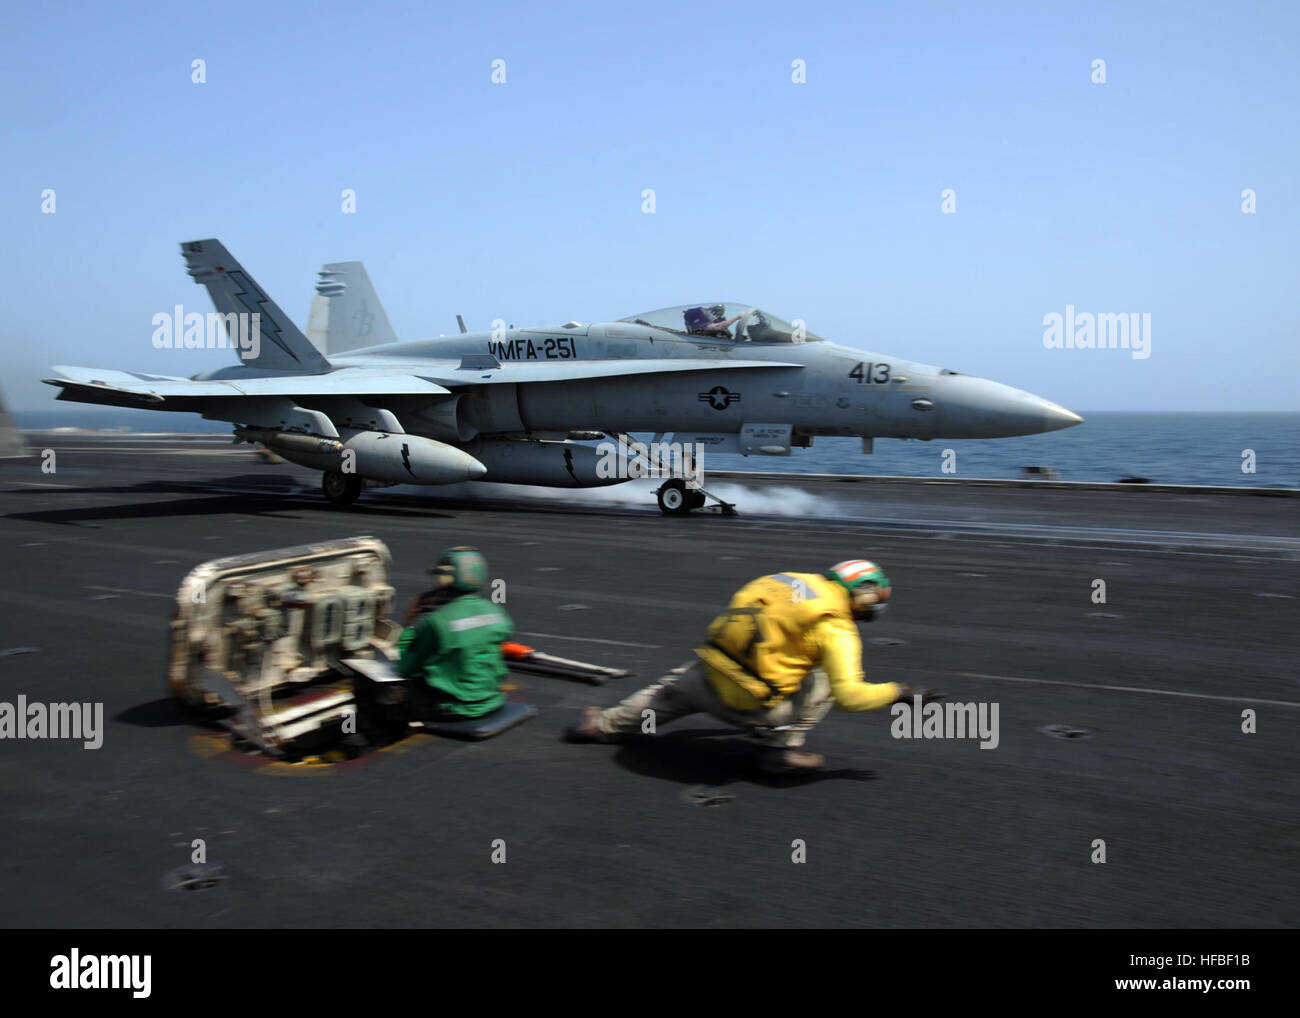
x: 1120, y: 721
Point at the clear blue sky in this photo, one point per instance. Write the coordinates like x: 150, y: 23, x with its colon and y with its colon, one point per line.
x: 820, y: 200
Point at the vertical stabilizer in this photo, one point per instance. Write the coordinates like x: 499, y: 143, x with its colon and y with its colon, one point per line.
x: 281, y: 346
x: 356, y: 319
x: 318, y: 323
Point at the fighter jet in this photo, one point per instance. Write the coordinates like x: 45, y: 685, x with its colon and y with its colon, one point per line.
x: 513, y: 405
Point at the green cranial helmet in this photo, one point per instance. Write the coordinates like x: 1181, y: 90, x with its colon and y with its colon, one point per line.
x: 461, y: 568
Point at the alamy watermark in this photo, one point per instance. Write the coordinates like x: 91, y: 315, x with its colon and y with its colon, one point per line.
x: 35, y: 720
x: 181, y: 330
x: 75, y: 971
x: 946, y: 721
x: 630, y: 460
x: 1105, y: 331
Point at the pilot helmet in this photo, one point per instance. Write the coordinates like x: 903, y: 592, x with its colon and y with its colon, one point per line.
x: 718, y: 312
x: 867, y: 584
x: 462, y: 569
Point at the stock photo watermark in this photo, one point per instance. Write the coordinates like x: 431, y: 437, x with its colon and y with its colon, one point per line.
x: 212, y: 330
x: 32, y: 719
x: 1084, y: 330
x: 919, y: 720
x: 75, y: 971
x: 632, y: 460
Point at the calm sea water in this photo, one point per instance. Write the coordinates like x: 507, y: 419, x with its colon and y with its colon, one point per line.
x: 1169, y: 448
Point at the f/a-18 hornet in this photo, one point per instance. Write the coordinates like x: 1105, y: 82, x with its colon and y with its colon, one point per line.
x: 507, y: 405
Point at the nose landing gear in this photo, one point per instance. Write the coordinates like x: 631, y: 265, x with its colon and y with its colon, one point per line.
x: 677, y: 499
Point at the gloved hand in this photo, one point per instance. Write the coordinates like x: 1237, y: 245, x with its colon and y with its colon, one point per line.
x: 906, y: 693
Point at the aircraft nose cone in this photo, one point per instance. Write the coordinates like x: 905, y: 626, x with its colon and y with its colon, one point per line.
x: 1056, y: 417
x: 979, y: 408
x: 474, y: 469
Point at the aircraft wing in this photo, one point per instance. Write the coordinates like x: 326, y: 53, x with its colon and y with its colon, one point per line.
x: 137, y: 389
x: 487, y: 370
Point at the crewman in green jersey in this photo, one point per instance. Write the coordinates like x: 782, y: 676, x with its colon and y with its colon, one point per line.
x: 451, y: 649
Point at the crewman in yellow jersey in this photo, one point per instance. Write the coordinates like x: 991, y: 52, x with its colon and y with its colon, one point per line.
x: 783, y: 653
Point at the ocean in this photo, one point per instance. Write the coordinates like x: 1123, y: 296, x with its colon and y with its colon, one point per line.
x: 1165, y: 448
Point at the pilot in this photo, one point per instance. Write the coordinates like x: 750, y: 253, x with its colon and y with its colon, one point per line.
x: 450, y: 652
x: 709, y: 321
x: 783, y: 653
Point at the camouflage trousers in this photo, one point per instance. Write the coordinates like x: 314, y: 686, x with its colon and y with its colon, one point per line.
x: 686, y: 690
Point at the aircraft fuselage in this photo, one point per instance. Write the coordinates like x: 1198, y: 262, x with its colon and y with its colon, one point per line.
x: 827, y: 389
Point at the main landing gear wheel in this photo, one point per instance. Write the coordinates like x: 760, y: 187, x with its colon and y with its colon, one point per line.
x: 676, y: 499
x: 339, y: 488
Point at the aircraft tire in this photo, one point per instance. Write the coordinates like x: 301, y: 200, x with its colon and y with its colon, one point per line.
x: 675, y: 499
x: 340, y: 489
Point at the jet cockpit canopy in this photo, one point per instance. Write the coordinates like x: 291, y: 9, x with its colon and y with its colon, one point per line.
x: 725, y: 320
